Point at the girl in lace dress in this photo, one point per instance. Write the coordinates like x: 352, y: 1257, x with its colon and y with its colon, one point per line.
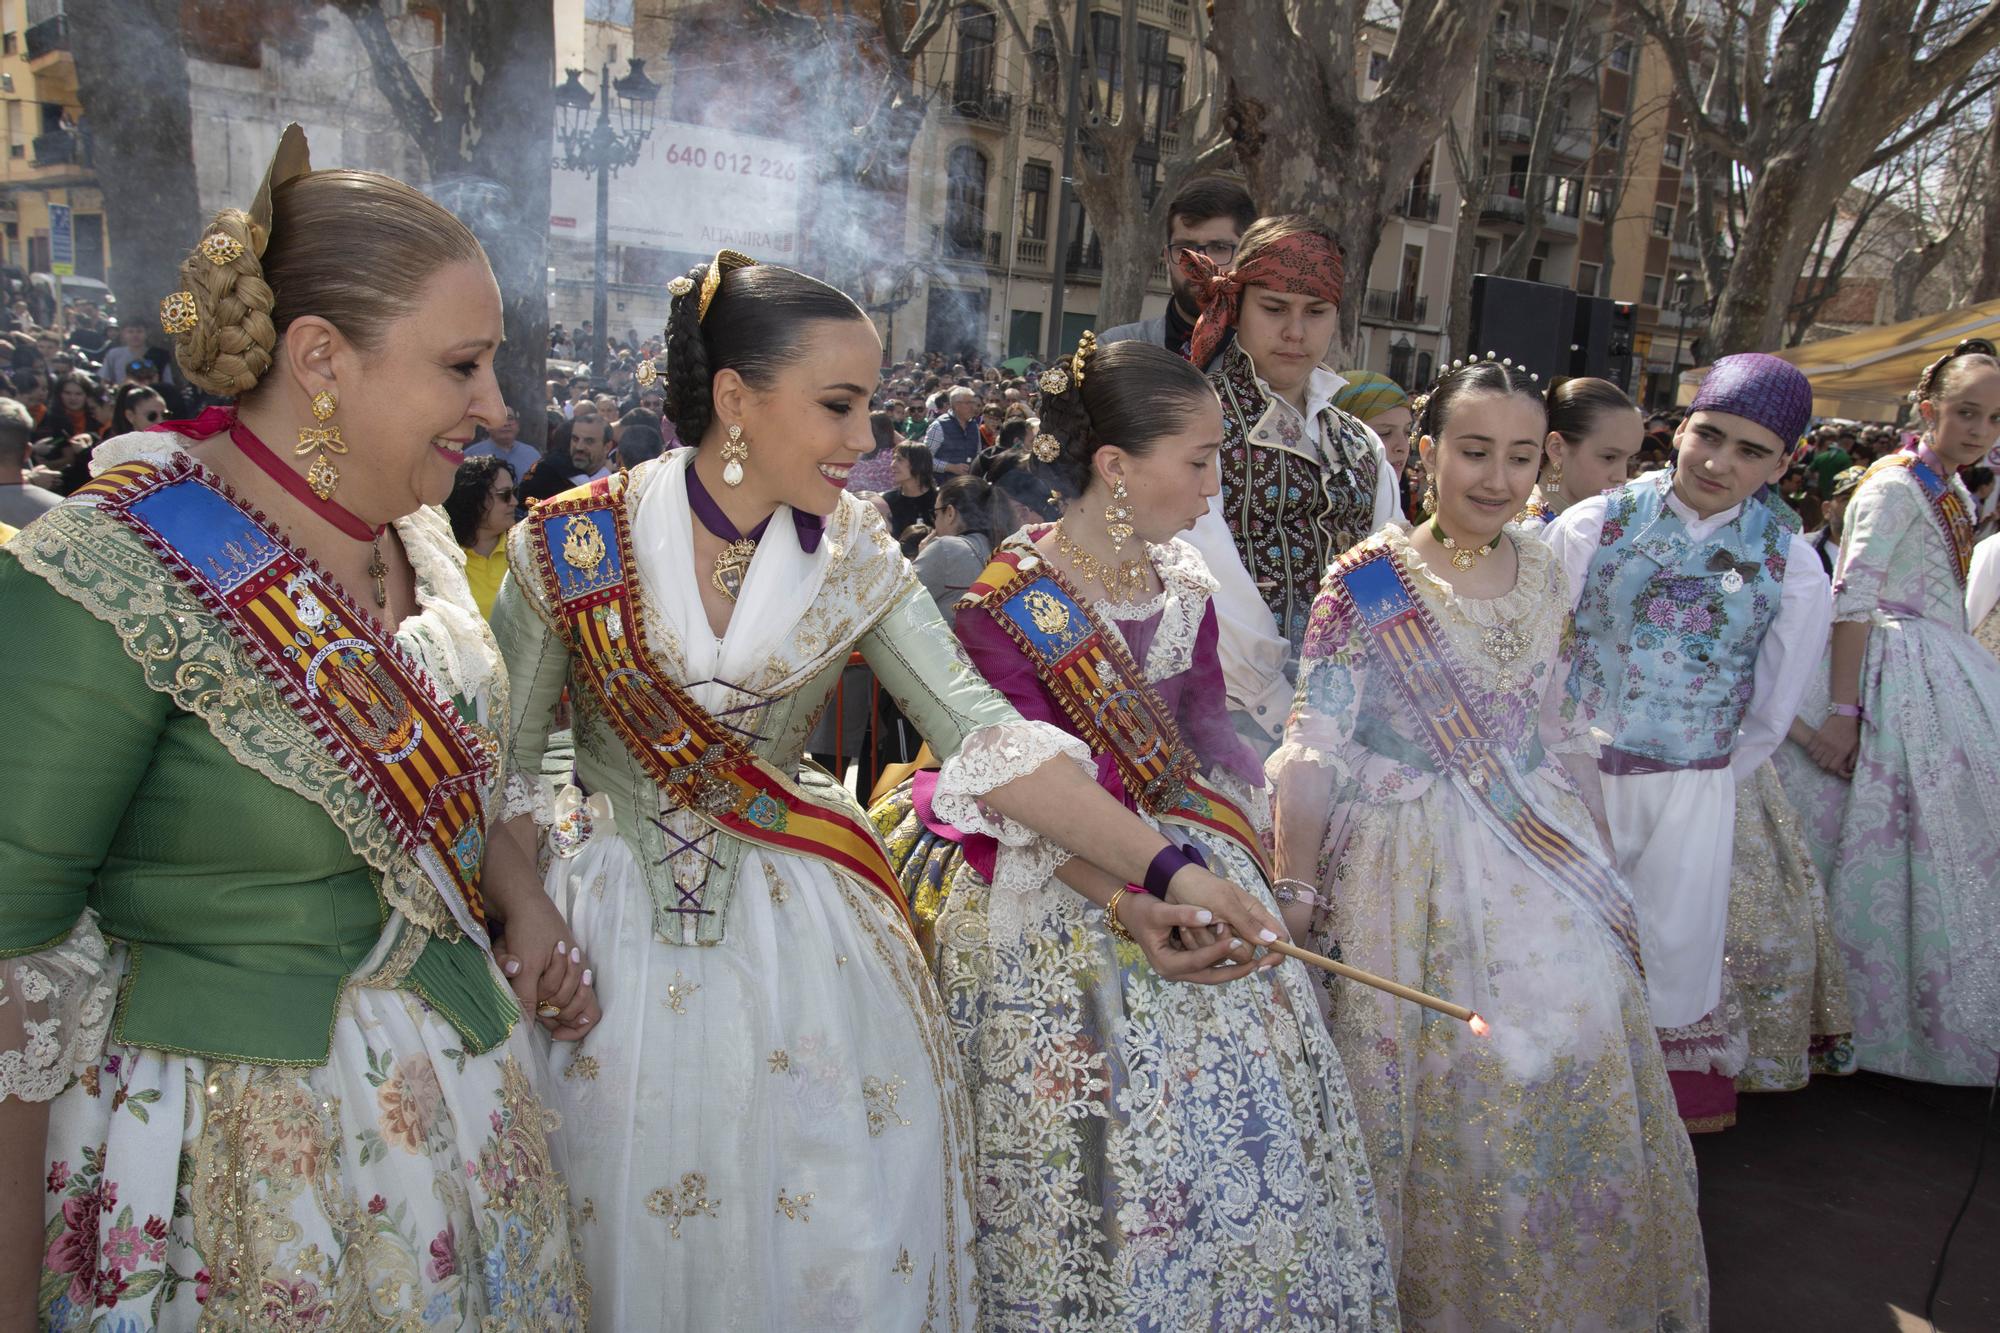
x: 1151, y: 1154
x: 1896, y: 785
x: 1430, y: 789
x: 768, y: 1129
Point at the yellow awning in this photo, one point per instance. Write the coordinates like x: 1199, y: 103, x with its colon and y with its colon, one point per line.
x: 1867, y: 376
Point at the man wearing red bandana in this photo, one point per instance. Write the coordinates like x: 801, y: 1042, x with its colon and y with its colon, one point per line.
x: 1302, y: 481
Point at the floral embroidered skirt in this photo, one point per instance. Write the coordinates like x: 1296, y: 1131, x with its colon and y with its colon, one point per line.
x: 769, y: 1132
x: 405, y: 1182
x: 1539, y: 1178
x: 1152, y: 1155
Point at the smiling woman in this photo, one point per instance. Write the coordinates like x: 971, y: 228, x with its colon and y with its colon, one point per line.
x: 770, y: 1121
x: 294, y: 725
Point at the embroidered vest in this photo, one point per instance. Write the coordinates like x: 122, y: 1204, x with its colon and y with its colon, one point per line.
x: 1669, y: 627
x: 1293, y: 503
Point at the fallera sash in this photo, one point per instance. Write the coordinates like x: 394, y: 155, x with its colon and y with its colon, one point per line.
x: 422, y: 766
x: 1106, y: 697
x: 1411, y: 648
x: 582, y: 547
x: 1949, y: 510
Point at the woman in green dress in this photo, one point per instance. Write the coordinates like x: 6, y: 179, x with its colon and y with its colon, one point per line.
x: 257, y: 1067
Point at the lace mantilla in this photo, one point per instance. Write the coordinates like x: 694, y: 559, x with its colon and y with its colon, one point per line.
x: 57, y: 1005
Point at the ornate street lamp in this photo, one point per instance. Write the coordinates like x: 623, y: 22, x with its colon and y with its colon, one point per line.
x: 600, y: 147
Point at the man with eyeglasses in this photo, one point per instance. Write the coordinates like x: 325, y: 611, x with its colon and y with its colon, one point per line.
x: 1209, y: 215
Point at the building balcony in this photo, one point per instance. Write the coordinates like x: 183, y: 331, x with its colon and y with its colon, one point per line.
x: 1559, y: 224
x: 1572, y: 144
x: 1392, y: 307
x: 1170, y: 142
x: 1085, y: 259
x: 1418, y: 207
x: 1520, y: 45
x: 1503, y: 208
x: 1181, y: 14
x: 1511, y: 128
x: 62, y: 148
x: 1686, y: 251
x: 1041, y: 120
x: 1032, y: 251
x: 965, y: 246
x: 980, y: 106
x: 47, y: 39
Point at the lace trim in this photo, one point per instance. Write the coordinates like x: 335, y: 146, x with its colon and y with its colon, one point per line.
x: 526, y: 794
x: 1525, y: 599
x: 993, y: 756
x: 103, y: 569
x: 62, y: 998
x: 1297, y: 752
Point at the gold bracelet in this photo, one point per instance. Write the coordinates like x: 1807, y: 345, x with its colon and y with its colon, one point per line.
x: 1113, y: 924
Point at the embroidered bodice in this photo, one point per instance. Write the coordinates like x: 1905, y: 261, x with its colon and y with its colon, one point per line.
x: 1670, y: 626
x: 1894, y: 556
x: 1296, y: 493
x: 1509, y: 650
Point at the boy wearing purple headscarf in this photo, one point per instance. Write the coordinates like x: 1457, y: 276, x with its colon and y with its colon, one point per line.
x: 1700, y: 617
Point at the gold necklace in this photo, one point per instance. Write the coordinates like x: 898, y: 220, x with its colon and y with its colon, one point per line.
x: 1463, y: 557
x: 1128, y: 579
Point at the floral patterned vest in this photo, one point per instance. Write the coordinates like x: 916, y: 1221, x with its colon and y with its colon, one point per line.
x: 1293, y: 503
x: 1669, y: 627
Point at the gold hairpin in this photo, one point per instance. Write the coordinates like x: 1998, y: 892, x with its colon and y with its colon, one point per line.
x: 711, y: 283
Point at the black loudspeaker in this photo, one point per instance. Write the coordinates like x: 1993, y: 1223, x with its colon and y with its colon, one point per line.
x: 1590, y: 344
x: 1532, y: 322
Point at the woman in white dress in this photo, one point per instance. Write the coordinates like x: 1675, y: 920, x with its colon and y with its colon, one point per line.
x: 1431, y: 789
x: 768, y: 1129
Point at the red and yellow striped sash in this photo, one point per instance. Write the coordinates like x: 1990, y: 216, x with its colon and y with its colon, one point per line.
x: 583, y: 558
x: 423, y: 768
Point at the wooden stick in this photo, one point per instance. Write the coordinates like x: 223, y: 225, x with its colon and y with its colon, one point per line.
x: 1396, y: 988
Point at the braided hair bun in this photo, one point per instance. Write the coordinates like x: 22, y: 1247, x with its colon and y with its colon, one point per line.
x: 756, y: 325
x: 233, y: 339
x: 1133, y: 394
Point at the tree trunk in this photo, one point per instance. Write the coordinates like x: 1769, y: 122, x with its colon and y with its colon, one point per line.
x: 1307, y: 139
x: 142, y: 146
x: 1986, y: 286
x: 1789, y: 198
x: 489, y: 153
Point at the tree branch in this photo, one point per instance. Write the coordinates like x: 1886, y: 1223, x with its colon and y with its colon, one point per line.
x: 398, y: 85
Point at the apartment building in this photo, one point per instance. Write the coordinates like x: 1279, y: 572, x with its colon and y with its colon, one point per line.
x: 48, y: 148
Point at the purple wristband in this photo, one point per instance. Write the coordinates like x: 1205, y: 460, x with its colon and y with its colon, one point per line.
x: 1166, y: 864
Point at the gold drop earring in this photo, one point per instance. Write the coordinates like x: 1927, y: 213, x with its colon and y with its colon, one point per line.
x: 1118, y: 516
x: 320, y: 441
x: 735, y: 453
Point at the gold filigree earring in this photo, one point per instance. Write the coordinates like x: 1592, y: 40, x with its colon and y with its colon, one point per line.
x: 320, y: 441
x: 735, y: 453
x: 1118, y: 516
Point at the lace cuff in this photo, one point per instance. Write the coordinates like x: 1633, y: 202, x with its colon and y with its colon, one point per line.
x: 1296, y: 752
x: 994, y: 756
x: 526, y: 794
x: 55, y: 1008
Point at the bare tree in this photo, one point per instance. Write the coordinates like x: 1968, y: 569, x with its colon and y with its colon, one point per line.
x: 1986, y: 280
x: 142, y: 146
x: 487, y: 139
x: 1784, y: 120
x: 1305, y: 135
x: 1132, y: 156
x: 1538, y: 183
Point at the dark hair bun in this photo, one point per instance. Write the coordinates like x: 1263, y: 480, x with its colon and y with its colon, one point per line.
x: 1133, y: 394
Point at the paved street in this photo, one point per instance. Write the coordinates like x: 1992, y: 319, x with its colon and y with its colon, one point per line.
x: 1824, y: 1209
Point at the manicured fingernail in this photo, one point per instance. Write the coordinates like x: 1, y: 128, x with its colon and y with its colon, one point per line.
x: 560, y: 946
x: 586, y: 976
x: 576, y: 955
x: 1268, y: 936
x: 513, y: 969
x: 1204, y: 916
x: 583, y: 1022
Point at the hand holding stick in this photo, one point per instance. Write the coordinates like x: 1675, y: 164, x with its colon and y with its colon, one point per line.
x: 1396, y: 988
